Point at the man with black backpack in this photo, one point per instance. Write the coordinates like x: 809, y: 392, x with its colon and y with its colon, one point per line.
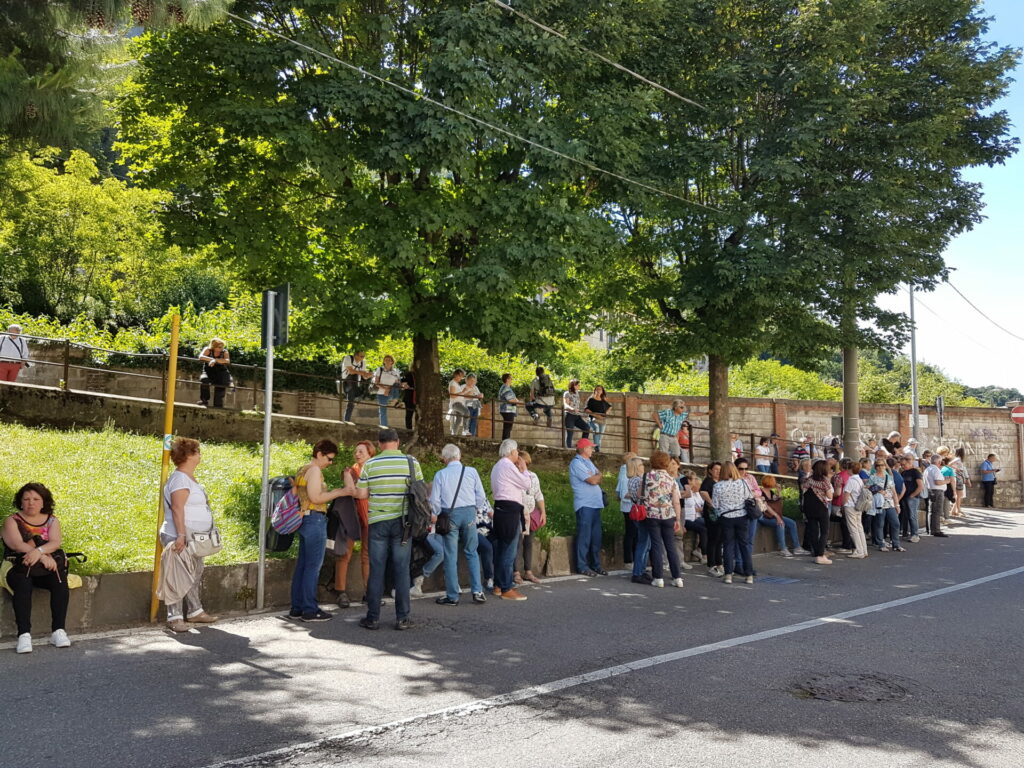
x: 542, y: 396
x: 393, y: 483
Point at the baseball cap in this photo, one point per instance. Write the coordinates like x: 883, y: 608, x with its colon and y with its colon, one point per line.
x: 583, y: 443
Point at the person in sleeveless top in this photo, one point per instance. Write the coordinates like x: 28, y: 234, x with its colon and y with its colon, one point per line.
x: 215, y: 360
x: 34, y: 558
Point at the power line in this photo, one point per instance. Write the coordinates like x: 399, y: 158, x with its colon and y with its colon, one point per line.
x: 917, y: 299
x: 595, y: 54
x: 975, y: 308
x: 585, y: 163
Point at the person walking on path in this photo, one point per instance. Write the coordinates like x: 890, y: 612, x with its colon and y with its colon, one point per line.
x: 385, y: 481
x: 314, y: 498
x: 457, y: 491
x: 670, y: 421
x: 588, y: 501
x: 988, y: 480
x: 508, y: 484
x: 13, y: 353
x: 215, y: 360
x: 186, y: 509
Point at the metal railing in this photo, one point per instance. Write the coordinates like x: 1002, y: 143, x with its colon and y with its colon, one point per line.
x: 632, y: 432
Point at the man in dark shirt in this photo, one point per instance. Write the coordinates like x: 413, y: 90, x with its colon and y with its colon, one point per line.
x: 913, y: 487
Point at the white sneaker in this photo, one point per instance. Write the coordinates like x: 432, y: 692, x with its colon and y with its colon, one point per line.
x: 785, y: 553
x: 24, y: 643
x: 677, y: 583
x: 489, y: 585
x: 417, y: 587
x: 685, y: 565
x: 60, y: 639
x: 800, y: 551
x: 915, y: 538
x: 658, y: 583
x: 749, y: 579
x: 727, y: 579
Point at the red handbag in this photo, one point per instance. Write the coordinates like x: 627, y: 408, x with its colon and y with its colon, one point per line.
x: 638, y: 512
x: 535, y: 518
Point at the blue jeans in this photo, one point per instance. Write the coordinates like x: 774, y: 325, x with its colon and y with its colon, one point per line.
x: 913, y: 504
x: 386, y: 544
x: 485, y: 553
x: 463, y: 521
x: 643, y: 549
x: 737, y: 536
x: 588, y: 539
x: 436, y: 543
x: 474, y: 416
x: 597, y: 427
x: 382, y: 408
x: 312, y: 542
x: 890, y: 516
x: 789, y: 526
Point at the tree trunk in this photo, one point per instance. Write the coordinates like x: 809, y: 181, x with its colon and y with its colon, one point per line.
x: 429, y: 393
x: 851, y: 404
x: 718, y: 407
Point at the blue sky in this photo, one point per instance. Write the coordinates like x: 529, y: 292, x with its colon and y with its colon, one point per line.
x: 988, y: 261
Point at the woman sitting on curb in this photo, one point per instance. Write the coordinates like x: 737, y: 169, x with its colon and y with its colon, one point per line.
x: 32, y: 539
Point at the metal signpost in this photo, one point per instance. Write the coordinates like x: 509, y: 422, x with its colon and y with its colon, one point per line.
x: 275, y: 331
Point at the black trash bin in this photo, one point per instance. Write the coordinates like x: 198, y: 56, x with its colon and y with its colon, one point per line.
x: 279, y: 542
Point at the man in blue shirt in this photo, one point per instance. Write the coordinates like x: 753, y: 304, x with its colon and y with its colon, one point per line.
x: 588, y: 501
x: 988, y: 479
x: 670, y: 421
x: 458, y: 491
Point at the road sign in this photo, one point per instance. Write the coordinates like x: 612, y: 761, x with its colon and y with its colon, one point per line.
x: 1017, y: 414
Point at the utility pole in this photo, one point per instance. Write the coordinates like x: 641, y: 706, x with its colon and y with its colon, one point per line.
x: 914, y: 405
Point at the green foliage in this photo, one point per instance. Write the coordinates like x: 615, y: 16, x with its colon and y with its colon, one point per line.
x: 76, y: 244
x: 85, y: 470
x: 755, y: 378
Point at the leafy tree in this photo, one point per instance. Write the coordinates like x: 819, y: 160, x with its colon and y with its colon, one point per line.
x: 388, y: 214
x: 73, y: 243
x: 53, y: 53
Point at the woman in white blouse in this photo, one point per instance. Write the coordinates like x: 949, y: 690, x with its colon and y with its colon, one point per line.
x: 729, y: 499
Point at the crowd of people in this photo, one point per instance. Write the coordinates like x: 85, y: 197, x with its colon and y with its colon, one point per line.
x: 876, y: 498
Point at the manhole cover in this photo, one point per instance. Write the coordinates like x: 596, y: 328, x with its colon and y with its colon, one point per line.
x: 865, y: 688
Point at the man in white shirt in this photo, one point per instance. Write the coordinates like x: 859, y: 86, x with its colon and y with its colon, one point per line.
x: 13, y: 353
x: 935, y: 484
x: 458, y: 491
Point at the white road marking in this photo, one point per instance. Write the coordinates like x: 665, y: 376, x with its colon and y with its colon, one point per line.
x: 544, y: 689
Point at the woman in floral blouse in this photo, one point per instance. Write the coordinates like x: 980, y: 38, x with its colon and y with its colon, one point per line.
x: 663, y: 516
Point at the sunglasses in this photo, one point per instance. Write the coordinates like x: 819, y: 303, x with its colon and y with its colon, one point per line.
x: 330, y: 459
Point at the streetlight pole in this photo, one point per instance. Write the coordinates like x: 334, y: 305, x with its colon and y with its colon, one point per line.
x: 913, y: 369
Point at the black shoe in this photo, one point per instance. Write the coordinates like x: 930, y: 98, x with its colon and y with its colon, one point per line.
x: 639, y: 580
x: 294, y: 614
x: 402, y: 624
x: 343, y: 600
x: 601, y: 572
x: 446, y: 601
x: 478, y: 597
x: 318, y: 616
x: 941, y: 535
x: 588, y: 573
x: 367, y: 623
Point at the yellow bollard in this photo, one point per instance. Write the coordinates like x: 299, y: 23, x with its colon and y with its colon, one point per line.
x: 165, y: 461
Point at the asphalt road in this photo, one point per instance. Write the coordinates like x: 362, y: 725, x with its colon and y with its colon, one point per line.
x: 585, y: 673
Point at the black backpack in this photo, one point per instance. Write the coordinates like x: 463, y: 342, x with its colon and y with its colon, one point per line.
x: 544, y: 386
x: 416, y: 515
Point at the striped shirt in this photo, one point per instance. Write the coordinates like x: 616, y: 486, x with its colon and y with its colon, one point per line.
x: 671, y: 422
x: 386, y: 477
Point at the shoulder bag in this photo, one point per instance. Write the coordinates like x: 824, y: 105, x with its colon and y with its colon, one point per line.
x: 443, y: 525
x: 638, y: 512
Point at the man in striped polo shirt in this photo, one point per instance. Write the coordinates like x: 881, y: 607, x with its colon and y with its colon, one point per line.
x: 385, y: 481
